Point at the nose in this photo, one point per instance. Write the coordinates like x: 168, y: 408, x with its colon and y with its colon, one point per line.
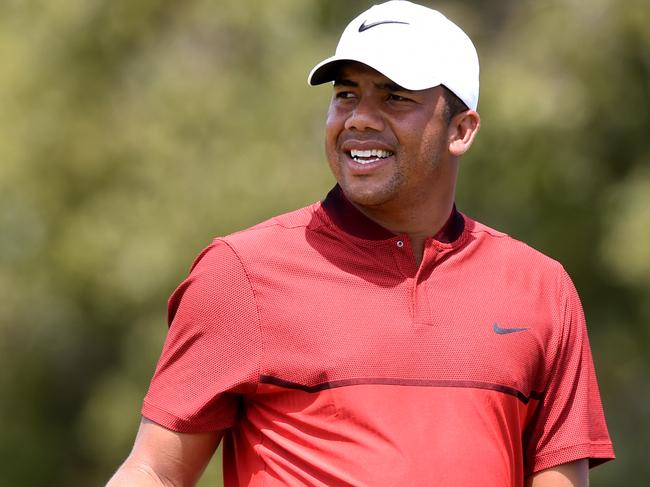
x: 365, y: 116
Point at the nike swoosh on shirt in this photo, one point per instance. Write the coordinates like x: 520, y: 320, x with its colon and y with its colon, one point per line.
x: 365, y: 26
x: 504, y: 331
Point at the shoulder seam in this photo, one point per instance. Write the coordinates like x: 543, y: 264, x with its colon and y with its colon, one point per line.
x: 502, y: 235
x: 257, y: 307
x: 492, y: 233
x: 272, y: 222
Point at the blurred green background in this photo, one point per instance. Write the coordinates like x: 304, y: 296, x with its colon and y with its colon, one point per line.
x: 134, y: 131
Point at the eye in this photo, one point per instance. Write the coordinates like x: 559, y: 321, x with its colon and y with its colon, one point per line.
x: 399, y: 98
x: 343, y: 95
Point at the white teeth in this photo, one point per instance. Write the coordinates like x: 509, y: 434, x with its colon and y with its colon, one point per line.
x: 377, y: 153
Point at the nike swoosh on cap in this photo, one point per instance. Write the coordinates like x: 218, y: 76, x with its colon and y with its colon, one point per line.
x: 365, y: 26
x: 504, y: 331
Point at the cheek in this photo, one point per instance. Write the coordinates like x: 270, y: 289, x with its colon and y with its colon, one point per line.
x: 333, y: 127
x: 334, y: 119
x: 332, y: 131
x: 330, y: 141
x: 433, y: 140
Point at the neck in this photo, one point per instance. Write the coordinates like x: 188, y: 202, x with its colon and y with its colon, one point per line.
x: 419, y: 222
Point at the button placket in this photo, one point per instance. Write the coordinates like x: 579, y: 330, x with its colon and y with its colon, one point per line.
x: 403, y: 257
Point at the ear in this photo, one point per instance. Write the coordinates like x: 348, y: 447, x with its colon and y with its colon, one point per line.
x: 462, y: 130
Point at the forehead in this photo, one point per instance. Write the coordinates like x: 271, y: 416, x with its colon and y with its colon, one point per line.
x: 352, y: 70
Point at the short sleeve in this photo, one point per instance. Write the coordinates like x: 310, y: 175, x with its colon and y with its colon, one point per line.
x: 211, y: 356
x: 569, y: 423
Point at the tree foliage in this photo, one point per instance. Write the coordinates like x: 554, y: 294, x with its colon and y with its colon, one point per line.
x: 133, y: 132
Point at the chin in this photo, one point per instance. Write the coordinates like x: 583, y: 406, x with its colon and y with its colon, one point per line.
x: 366, y: 196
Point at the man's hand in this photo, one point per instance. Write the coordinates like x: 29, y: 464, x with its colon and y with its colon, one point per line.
x: 161, y: 457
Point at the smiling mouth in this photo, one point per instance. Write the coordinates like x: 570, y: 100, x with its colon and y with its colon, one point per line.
x: 368, y: 156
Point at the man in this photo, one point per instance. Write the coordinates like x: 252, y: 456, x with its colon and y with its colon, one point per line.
x: 378, y: 337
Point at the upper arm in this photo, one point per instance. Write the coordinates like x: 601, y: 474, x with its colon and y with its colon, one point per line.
x: 573, y: 474
x: 164, y: 457
x: 568, y: 422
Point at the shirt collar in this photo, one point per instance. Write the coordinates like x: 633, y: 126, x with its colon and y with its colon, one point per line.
x: 349, y: 219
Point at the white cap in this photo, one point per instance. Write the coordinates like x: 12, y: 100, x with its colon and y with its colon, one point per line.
x: 414, y: 46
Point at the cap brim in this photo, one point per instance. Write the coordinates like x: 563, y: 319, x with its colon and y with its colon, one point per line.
x: 325, y: 71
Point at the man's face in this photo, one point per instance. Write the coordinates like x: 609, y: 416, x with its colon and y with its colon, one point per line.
x: 385, y: 144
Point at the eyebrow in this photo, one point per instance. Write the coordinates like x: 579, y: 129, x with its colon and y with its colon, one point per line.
x: 388, y: 86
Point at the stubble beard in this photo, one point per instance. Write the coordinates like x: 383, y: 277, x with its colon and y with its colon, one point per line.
x: 396, y: 192
x: 365, y: 191
x: 373, y: 195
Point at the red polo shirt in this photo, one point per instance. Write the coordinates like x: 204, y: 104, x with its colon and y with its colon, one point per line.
x: 331, y: 358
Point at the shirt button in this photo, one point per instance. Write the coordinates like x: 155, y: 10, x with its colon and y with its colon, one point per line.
x: 400, y: 244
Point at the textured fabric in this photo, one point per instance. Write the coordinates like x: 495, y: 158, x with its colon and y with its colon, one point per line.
x: 332, y: 359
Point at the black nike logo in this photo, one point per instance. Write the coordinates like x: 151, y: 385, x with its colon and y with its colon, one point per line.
x: 504, y: 331
x: 365, y: 26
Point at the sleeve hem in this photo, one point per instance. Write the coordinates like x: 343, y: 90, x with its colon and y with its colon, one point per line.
x: 597, y: 453
x: 180, y: 425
